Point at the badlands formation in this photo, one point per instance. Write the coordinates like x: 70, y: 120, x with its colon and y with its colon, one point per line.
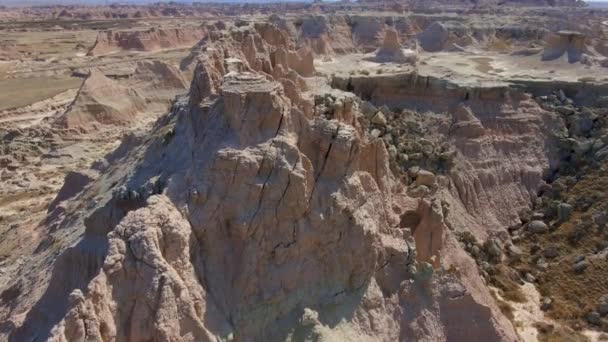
x: 372, y: 171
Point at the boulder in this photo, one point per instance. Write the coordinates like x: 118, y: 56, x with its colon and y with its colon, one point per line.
x: 546, y: 304
x: 602, y: 306
x: 537, y: 226
x: 580, y: 266
x: 600, y: 219
x: 426, y: 178
x: 492, y: 249
x: 563, y: 211
x: 594, y: 318
x: 514, y: 252
x: 551, y: 252
x: 379, y: 119
x: 434, y: 38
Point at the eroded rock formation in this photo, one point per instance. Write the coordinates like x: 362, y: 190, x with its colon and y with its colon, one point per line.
x: 565, y: 43
x: 391, y: 50
x: 249, y: 208
x: 360, y: 196
x: 101, y: 101
x: 150, y: 40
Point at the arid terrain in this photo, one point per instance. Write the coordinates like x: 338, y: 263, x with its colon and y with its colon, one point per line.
x: 370, y: 171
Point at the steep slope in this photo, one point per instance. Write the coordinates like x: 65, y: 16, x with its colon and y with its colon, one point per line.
x: 150, y: 40
x: 245, y: 214
x: 101, y: 101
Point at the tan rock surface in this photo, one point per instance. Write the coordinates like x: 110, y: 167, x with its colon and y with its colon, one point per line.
x: 293, y: 181
x: 565, y: 43
x: 306, y: 203
x: 391, y: 50
x: 101, y: 101
x: 150, y: 40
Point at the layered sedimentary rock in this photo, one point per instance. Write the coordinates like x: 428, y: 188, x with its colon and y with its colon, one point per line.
x: 568, y: 44
x: 391, y: 50
x: 283, y: 226
x: 313, y: 196
x: 151, y: 40
x: 440, y: 36
x: 559, y: 3
x: 101, y: 100
x: 484, y: 128
x: 8, y: 52
x: 262, y: 48
x: 326, y: 35
x: 247, y: 215
x: 300, y: 61
x: 160, y: 75
x: 270, y: 205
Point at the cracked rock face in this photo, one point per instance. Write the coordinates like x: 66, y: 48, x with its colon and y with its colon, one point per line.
x: 248, y: 214
x: 245, y: 217
x: 272, y: 213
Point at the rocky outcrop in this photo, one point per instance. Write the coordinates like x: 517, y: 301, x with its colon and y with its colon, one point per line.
x: 300, y: 61
x: 325, y: 35
x: 73, y: 184
x: 482, y: 122
x: 565, y: 43
x: 270, y: 205
x: 159, y: 75
x: 447, y: 36
x: 244, y: 216
x: 101, y: 100
x: 367, y: 31
x: 465, y: 123
x: 277, y: 33
x: 391, y: 50
x: 246, y: 49
x: 285, y: 226
x: 153, y: 39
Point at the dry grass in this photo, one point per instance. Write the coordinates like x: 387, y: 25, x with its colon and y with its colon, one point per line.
x: 47, y: 43
x: 550, y: 333
x: 575, y: 294
x: 503, y: 279
x: 3, y: 68
x: 25, y: 91
x: 506, y: 309
x: 499, y: 45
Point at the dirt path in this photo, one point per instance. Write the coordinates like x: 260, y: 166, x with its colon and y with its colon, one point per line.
x: 527, y: 314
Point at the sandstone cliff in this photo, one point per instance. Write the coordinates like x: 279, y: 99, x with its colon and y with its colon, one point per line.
x: 151, y: 40
x: 247, y: 214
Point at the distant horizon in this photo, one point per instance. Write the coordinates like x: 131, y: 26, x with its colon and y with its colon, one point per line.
x: 25, y: 3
